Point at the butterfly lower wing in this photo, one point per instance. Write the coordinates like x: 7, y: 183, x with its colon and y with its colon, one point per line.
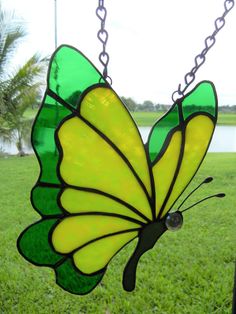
x: 185, y: 134
x: 72, y: 280
x: 34, y: 244
x: 92, y: 239
x: 96, y: 255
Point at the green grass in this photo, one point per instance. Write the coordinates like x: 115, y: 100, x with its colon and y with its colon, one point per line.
x: 227, y: 118
x: 146, y: 118
x: 149, y: 118
x: 190, y: 271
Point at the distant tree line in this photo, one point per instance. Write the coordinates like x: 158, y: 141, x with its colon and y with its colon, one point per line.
x: 227, y: 108
x: 148, y: 105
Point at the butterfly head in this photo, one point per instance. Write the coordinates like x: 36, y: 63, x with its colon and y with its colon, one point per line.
x: 174, y: 221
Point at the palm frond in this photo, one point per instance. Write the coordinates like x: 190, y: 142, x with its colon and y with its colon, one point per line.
x: 12, y: 31
x: 20, y: 89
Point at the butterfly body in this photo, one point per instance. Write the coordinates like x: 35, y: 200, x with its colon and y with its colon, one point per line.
x: 100, y: 186
x: 148, y: 237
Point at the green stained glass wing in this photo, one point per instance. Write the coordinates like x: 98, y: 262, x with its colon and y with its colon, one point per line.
x: 69, y: 278
x: 178, y: 143
x: 160, y: 131
x: 70, y: 74
x: 34, y: 244
x: 49, y: 117
x: 65, y: 84
x: 202, y: 99
x: 45, y: 200
x: 80, y: 117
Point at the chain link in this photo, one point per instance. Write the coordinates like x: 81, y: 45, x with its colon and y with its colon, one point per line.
x: 201, y: 57
x: 102, y: 35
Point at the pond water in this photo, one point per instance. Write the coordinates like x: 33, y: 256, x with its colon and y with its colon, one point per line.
x: 224, y: 140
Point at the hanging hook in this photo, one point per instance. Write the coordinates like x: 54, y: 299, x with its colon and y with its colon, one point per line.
x: 177, y: 94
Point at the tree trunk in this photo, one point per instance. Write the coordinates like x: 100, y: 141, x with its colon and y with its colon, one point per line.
x: 19, y: 146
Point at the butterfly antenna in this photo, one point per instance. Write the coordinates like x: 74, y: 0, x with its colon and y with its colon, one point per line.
x: 220, y: 195
x: 207, y: 180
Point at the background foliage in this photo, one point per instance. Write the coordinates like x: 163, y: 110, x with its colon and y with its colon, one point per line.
x: 19, y: 88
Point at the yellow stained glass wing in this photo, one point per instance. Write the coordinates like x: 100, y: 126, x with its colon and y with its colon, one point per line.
x: 84, y: 201
x: 164, y: 169
x: 76, y: 231
x: 180, y: 149
x: 95, y: 256
x: 197, y: 137
x: 99, y: 185
x: 104, y: 110
x: 89, y: 161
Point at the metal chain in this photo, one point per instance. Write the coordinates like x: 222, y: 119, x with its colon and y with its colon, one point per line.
x: 102, y: 35
x: 201, y: 58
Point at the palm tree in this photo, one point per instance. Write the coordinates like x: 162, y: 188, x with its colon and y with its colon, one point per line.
x: 18, y: 89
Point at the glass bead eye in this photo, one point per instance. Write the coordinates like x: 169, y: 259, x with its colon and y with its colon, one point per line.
x: 174, y: 221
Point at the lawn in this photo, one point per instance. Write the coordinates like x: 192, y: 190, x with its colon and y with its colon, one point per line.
x: 146, y: 118
x: 227, y: 118
x: 190, y: 271
x: 149, y: 118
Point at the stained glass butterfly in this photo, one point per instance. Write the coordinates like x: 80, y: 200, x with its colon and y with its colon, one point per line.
x: 100, y: 187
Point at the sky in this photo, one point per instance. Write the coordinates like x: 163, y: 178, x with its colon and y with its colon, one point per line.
x: 152, y: 44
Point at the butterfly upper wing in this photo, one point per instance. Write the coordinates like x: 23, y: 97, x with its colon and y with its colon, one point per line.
x: 69, y: 74
x: 178, y: 143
